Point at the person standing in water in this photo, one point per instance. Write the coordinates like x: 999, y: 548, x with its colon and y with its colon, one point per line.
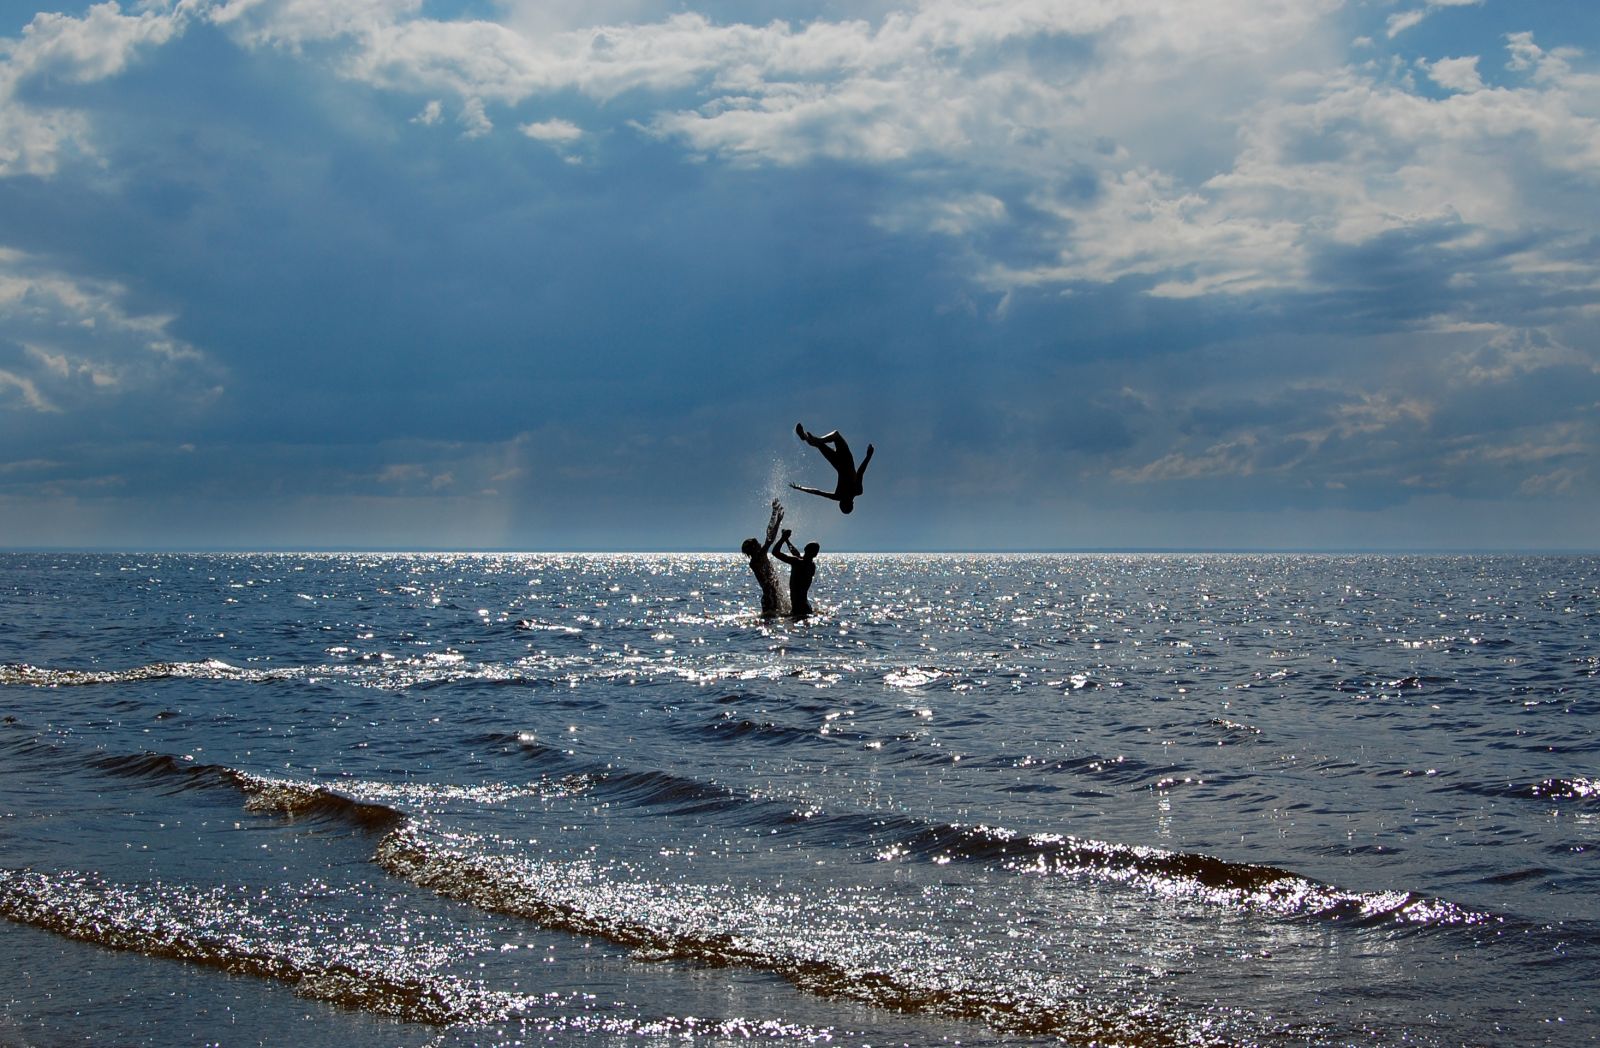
x: 772, y: 602
x: 802, y: 570
x: 837, y: 452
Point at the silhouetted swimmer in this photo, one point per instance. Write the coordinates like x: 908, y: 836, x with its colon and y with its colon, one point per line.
x: 772, y: 602
x: 837, y: 452
x: 802, y: 569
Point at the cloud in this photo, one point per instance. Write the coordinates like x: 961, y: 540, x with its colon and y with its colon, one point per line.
x: 1013, y: 91
x: 1141, y: 223
x: 71, y: 345
x: 57, y: 48
x: 1400, y: 22
x: 1228, y: 459
x: 25, y: 389
x: 1456, y: 74
x: 564, y: 136
x: 1355, y: 160
x: 938, y: 78
x: 962, y: 215
x: 293, y: 24
x: 1476, y: 411
x: 554, y: 131
x: 474, y: 119
x: 1509, y: 352
x: 100, y: 44
x: 956, y: 88
x: 430, y: 114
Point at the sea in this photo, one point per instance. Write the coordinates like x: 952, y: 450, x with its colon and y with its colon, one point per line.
x: 352, y: 800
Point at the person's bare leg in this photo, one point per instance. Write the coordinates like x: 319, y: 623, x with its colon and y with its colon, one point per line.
x: 831, y: 437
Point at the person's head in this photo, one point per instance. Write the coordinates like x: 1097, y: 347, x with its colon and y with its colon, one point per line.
x: 751, y: 547
x: 812, y: 549
x: 846, y: 505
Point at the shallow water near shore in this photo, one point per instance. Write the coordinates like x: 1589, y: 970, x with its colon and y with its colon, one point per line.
x: 594, y: 799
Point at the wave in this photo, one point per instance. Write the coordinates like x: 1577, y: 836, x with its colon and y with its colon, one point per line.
x: 307, y: 799
x: 222, y: 930
x: 816, y: 941
x: 364, y: 805
x: 1248, y: 886
x: 381, y: 809
x: 1575, y: 788
x: 210, y: 669
x: 1565, y: 788
x: 284, y: 796
x: 686, y: 1028
x: 721, y: 926
x: 1251, y: 887
x: 378, y: 808
x: 371, y: 670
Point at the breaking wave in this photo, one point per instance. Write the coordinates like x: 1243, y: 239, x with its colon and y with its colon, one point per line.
x: 219, y: 930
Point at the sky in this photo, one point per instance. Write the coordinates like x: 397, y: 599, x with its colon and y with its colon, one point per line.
x: 551, y: 275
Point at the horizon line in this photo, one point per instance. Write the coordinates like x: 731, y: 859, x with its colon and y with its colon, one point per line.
x: 701, y: 551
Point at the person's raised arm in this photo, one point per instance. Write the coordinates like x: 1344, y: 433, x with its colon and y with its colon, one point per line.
x: 773, y: 523
x: 815, y: 491
x: 861, y: 470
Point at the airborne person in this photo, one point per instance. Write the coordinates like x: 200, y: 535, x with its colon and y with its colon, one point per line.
x: 837, y: 452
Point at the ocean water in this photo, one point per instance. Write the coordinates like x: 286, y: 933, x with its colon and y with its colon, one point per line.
x: 353, y: 800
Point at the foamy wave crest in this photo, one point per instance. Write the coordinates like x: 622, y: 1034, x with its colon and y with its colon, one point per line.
x: 368, y: 803
x: 223, y: 931
x: 1256, y: 888
x: 1559, y: 788
x: 210, y: 669
x: 380, y: 671
x: 303, y: 798
x: 1574, y: 788
x: 684, y: 1028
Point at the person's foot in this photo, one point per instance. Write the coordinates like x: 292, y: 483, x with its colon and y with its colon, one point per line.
x: 800, y: 430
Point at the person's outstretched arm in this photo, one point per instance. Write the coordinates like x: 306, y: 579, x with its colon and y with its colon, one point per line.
x: 816, y: 491
x: 861, y: 470
x: 773, y: 523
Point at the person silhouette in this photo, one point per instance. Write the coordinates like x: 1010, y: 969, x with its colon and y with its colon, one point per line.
x: 837, y: 452
x: 802, y: 570
x: 772, y: 602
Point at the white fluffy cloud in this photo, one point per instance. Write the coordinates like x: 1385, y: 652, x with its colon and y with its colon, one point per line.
x: 1343, y: 160
x: 295, y: 23
x: 1400, y: 21
x: 1456, y: 74
x: 55, y: 47
x: 1203, y: 147
x: 67, y: 343
x: 1206, y: 146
